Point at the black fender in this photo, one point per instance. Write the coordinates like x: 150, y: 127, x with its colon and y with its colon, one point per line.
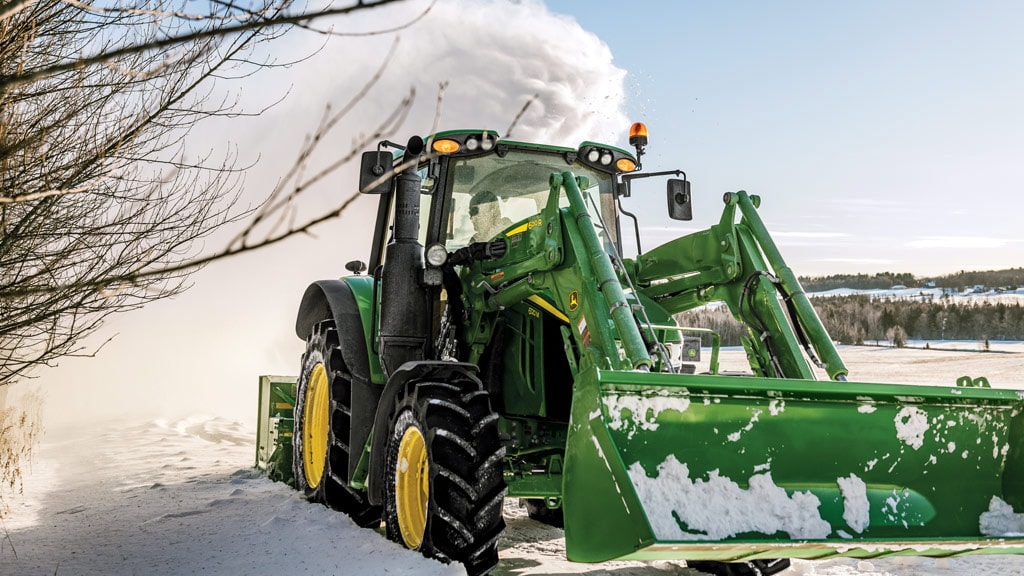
x: 334, y: 299
x: 410, y: 372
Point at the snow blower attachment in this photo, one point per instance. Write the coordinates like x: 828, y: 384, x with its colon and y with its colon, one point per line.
x: 518, y: 354
x: 274, y: 426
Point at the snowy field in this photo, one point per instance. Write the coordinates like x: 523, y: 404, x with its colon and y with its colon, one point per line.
x: 965, y: 296
x: 178, y: 497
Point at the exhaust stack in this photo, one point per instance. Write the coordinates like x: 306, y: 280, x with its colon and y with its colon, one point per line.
x: 404, y: 310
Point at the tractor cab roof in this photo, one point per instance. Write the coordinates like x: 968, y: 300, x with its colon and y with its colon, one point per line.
x: 472, y: 142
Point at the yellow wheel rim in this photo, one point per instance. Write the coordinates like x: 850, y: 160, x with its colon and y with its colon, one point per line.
x: 316, y: 418
x: 412, y: 487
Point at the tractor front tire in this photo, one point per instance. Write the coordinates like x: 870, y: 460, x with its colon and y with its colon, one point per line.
x: 751, y: 568
x: 321, y: 430
x: 445, y: 487
x: 538, y: 509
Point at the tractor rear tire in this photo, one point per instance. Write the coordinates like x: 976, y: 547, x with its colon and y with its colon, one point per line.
x: 445, y: 487
x: 321, y: 430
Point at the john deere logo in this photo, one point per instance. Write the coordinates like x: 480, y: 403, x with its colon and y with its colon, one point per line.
x: 574, y: 301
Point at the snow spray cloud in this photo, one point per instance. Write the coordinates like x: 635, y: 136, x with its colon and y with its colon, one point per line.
x: 493, y: 56
x: 497, y: 55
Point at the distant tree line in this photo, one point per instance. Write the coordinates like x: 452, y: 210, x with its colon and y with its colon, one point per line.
x: 718, y: 319
x: 859, y: 318
x: 878, y: 281
x: 854, y: 319
x: 1012, y: 278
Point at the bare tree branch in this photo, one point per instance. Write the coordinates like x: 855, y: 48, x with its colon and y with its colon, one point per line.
x: 398, y: 28
x: 46, y: 194
x: 519, y: 115
x: 273, y: 202
x: 156, y: 44
x: 439, y: 106
x: 100, y: 209
x: 244, y: 14
x: 241, y: 245
x: 11, y: 8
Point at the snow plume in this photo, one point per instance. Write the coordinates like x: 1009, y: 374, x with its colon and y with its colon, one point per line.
x: 497, y: 55
x: 486, y: 59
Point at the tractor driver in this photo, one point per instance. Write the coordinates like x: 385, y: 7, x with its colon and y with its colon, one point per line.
x: 485, y: 215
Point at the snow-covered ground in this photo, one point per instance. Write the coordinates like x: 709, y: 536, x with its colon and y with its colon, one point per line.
x: 967, y: 295
x: 179, y: 497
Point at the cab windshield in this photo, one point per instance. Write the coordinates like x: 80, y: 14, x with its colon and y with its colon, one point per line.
x: 490, y: 194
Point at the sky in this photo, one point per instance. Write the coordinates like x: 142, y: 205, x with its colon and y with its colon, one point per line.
x: 880, y: 136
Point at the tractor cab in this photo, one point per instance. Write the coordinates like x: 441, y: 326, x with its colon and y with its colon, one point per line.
x: 499, y: 193
x: 476, y: 187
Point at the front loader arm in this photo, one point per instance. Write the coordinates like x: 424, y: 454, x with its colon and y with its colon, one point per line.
x: 558, y: 257
x: 739, y: 264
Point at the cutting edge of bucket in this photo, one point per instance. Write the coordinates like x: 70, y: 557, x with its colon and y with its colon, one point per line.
x: 733, y: 551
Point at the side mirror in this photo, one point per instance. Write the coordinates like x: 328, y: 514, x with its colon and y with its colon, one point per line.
x: 680, y: 205
x: 374, y: 166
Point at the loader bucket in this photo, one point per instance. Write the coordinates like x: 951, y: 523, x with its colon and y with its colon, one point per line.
x: 730, y: 468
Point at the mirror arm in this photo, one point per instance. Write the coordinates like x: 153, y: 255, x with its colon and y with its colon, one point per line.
x: 636, y: 224
x: 624, y: 189
x: 387, y: 144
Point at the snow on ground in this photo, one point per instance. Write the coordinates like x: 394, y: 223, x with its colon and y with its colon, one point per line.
x: 969, y: 295
x: 174, y: 498
x: 178, y: 497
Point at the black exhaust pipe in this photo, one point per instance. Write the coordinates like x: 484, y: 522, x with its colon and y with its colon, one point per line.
x: 404, y: 309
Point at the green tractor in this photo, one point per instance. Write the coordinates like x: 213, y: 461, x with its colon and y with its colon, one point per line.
x: 502, y: 347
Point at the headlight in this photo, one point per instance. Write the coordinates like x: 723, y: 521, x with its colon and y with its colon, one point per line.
x: 436, y: 255
x: 604, y: 158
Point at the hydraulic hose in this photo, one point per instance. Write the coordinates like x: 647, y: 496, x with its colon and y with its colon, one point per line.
x: 805, y: 313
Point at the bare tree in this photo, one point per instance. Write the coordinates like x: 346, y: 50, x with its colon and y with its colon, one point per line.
x: 100, y: 204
